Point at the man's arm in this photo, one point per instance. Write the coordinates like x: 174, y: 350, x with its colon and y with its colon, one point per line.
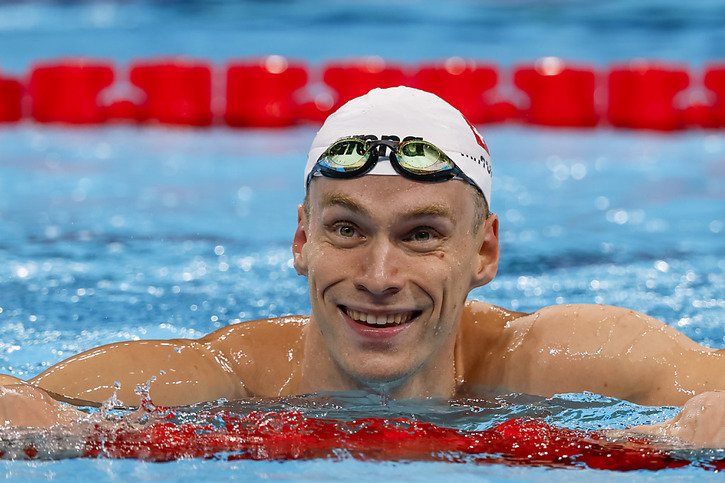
x: 255, y: 357
x: 23, y: 405
x: 179, y: 371
x: 611, y: 351
x: 701, y: 423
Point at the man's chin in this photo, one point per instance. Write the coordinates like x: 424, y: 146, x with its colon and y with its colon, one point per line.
x: 379, y: 377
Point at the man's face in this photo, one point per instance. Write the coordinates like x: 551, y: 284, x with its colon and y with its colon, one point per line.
x: 390, y: 262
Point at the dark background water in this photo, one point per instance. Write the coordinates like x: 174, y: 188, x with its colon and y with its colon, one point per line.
x: 501, y: 31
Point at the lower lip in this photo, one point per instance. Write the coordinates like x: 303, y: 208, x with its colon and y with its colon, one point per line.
x: 374, y: 333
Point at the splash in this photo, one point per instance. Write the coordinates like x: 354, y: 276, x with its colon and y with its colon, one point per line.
x: 290, y: 435
x: 248, y: 432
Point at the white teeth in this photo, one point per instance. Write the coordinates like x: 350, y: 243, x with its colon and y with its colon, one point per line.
x: 372, y: 319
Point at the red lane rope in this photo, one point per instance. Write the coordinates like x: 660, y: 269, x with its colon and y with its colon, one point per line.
x: 276, y: 92
x: 292, y: 436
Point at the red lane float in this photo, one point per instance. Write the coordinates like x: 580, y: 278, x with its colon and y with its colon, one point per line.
x: 274, y: 92
x: 559, y: 95
x: 641, y: 95
x: 177, y: 91
x: 124, y: 110
x: 262, y: 94
x: 67, y: 91
x: 464, y: 84
x: 290, y: 435
x: 11, y: 100
x: 715, y: 81
x: 354, y: 78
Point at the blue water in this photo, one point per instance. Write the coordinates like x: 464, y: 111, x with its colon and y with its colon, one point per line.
x: 120, y: 233
x: 503, y: 31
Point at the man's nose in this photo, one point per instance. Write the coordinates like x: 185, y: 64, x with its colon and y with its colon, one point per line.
x: 380, y: 271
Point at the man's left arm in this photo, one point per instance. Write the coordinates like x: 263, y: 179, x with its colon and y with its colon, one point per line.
x: 615, y: 352
x: 670, y: 367
x: 629, y: 355
x: 700, y: 423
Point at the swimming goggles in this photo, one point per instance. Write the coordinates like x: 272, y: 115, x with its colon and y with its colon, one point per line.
x: 412, y: 158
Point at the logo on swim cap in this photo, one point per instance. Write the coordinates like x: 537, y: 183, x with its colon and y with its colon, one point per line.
x: 478, y: 137
x: 406, y: 112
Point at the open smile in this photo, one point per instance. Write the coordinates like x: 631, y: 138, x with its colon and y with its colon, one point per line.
x: 380, y: 319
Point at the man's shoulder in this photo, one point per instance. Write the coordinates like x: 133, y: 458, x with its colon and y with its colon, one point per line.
x: 261, y: 334
x: 541, y: 352
x: 261, y: 353
x: 609, y: 350
x: 571, y: 327
x: 583, y: 321
x: 486, y: 329
x: 564, y: 315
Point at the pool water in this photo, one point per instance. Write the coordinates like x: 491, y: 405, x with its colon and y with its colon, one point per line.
x: 117, y: 233
x: 502, y: 31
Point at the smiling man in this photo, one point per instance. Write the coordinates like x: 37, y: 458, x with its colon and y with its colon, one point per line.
x: 393, y: 234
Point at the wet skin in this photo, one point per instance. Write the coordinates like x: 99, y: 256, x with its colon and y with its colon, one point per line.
x: 391, y: 248
x: 405, y: 252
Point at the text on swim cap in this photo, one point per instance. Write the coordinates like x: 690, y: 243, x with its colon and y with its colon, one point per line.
x: 481, y: 160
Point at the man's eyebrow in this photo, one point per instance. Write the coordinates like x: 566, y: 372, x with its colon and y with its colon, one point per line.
x: 347, y: 202
x: 434, y: 209
x: 344, y: 201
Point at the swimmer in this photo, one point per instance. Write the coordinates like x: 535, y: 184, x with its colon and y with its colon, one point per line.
x: 394, y: 232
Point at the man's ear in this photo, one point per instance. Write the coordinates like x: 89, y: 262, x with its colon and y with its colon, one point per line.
x: 298, y: 242
x: 488, y: 253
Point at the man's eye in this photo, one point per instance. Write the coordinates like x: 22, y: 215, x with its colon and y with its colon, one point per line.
x: 422, y: 235
x: 346, y: 231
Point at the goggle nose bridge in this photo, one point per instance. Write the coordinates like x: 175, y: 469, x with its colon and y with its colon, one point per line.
x: 378, y: 147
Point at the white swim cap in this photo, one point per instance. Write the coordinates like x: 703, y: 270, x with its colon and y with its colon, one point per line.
x: 402, y: 112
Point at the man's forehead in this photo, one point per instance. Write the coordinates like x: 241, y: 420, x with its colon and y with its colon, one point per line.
x: 369, y: 194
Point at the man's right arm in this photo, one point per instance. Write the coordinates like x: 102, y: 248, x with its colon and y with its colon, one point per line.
x: 22, y: 405
x: 178, y: 372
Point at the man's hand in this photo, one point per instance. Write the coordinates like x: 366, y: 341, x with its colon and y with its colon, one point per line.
x: 23, y: 405
x: 700, y: 423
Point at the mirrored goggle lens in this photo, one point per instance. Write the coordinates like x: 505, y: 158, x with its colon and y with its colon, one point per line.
x: 345, y: 155
x: 420, y: 157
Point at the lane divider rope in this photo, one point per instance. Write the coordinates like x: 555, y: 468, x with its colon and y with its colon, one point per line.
x: 274, y: 91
